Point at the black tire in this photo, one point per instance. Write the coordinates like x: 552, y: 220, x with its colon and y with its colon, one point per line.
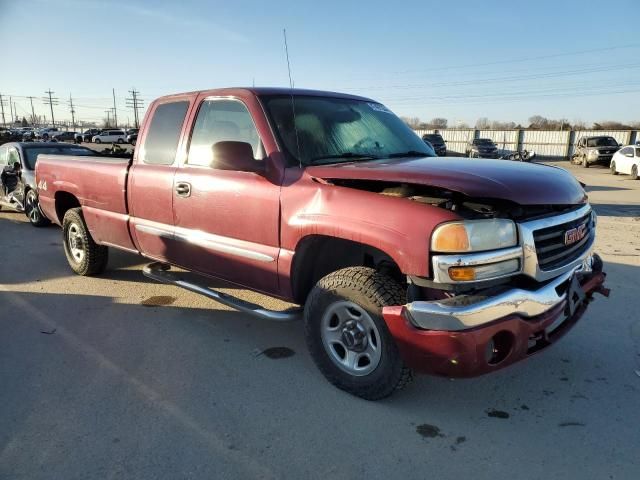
x: 612, y: 168
x: 133, y: 142
x: 634, y: 172
x: 585, y: 164
x: 370, y: 291
x: 32, y: 210
x: 95, y: 258
x: 97, y: 140
x: 120, y: 141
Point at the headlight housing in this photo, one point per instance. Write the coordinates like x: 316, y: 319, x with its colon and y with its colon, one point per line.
x: 474, y: 236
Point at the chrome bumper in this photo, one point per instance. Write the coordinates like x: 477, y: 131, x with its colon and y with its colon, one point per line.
x: 468, y: 311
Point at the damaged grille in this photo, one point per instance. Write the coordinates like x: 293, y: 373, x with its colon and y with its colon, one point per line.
x: 551, y: 243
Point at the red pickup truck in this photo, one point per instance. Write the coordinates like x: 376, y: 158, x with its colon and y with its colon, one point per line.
x: 400, y: 261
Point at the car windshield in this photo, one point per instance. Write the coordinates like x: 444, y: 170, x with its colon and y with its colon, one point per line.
x: 31, y: 153
x: 483, y: 142
x: 602, y: 142
x: 332, y: 130
x: 433, y: 139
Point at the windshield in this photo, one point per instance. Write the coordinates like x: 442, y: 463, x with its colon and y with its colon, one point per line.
x: 31, y: 153
x: 483, y: 142
x: 433, y: 139
x: 331, y: 130
x: 602, y: 142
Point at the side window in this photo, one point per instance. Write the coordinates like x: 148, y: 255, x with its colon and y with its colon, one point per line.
x: 13, y: 156
x: 218, y: 121
x: 162, y: 138
x: 637, y: 152
x: 626, y: 151
x: 3, y: 157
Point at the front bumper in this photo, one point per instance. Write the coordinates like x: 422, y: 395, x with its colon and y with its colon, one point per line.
x: 466, y: 341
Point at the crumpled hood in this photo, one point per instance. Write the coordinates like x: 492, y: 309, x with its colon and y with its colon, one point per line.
x: 519, y: 182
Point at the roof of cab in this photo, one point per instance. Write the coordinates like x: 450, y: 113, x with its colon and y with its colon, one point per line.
x: 263, y: 91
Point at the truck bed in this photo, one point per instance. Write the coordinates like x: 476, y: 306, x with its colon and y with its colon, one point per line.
x: 98, y: 184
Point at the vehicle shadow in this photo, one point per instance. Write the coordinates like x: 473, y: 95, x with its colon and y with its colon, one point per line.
x: 614, y: 210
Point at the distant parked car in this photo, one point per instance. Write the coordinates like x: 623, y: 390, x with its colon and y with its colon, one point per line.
x: 437, y: 142
x: 87, y: 135
x: 44, y: 134
x: 18, y: 184
x: 481, y: 148
x: 132, y: 138
x: 110, y: 136
x: 432, y: 150
x: 597, y: 149
x: 131, y: 131
x: 62, y: 136
x: 626, y: 160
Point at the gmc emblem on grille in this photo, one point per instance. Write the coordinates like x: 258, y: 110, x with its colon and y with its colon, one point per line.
x: 575, y: 235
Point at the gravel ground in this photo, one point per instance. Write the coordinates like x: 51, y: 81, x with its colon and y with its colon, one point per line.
x: 119, y: 377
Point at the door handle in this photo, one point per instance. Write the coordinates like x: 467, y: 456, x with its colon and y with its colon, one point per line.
x: 183, y: 189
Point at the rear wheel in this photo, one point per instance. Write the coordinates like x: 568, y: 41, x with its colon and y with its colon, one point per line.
x: 32, y: 210
x: 347, y: 337
x: 634, y: 172
x: 97, y: 140
x: 84, y: 255
x: 121, y: 141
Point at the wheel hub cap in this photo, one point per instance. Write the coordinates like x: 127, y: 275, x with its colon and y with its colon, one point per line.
x: 350, y: 338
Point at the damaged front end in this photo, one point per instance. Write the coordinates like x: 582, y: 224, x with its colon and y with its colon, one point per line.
x: 506, y: 281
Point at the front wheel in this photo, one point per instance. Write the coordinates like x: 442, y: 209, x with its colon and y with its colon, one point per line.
x: 32, y: 210
x: 84, y: 255
x: 612, y: 168
x: 634, y: 172
x: 347, y: 337
x: 120, y: 141
x: 585, y: 163
x: 97, y: 140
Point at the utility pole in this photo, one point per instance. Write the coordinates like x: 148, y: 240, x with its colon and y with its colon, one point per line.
x: 33, y: 113
x: 51, y: 101
x: 73, y: 112
x: 13, y: 118
x: 108, y: 112
x: 115, y: 113
x: 4, y: 122
x: 135, y: 103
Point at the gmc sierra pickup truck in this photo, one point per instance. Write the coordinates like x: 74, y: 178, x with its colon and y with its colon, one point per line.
x: 399, y: 261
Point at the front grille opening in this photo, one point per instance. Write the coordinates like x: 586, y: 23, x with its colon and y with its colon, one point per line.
x: 550, y: 244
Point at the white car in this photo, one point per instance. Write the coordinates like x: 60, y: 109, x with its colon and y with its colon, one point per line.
x: 626, y: 160
x: 110, y: 136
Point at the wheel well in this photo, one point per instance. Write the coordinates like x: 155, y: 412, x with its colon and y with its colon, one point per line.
x: 318, y: 255
x: 64, y: 202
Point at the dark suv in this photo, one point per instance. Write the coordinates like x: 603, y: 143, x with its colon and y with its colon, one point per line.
x: 481, y: 148
x: 598, y: 149
x: 437, y: 142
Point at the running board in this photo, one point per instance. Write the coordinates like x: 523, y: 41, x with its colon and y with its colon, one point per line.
x: 160, y: 272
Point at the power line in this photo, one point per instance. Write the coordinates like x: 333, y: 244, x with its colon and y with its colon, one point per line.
x: 33, y: 112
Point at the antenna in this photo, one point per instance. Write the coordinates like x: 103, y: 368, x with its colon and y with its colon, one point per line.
x: 293, y: 104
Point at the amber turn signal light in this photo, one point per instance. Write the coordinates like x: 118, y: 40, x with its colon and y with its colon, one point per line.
x: 462, y: 274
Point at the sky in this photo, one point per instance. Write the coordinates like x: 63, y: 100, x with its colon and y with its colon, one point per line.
x: 460, y: 60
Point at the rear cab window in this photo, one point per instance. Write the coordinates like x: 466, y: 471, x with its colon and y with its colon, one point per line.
x: 161, y: 141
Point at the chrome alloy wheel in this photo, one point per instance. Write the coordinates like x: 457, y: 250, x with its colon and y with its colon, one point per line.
x: 75, y: 241
x: 32, y: 208
x: 351, y: 338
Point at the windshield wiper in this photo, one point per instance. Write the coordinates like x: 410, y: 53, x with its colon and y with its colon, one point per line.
x: 347, y: 155
x: 410, y: 153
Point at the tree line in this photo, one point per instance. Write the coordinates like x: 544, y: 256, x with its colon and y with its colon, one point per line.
x: 536, y: 122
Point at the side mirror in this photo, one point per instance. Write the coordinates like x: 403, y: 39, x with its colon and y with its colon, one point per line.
x: 236, y: 156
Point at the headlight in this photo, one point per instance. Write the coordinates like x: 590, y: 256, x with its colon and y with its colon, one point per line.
x: 474, y: 236
x: 593, y: 152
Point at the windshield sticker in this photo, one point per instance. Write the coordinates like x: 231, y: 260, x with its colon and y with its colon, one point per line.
x: 378, y: 107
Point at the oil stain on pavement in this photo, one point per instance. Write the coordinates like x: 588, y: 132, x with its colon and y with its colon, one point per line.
x: 276, y: 353
x: 497, y: 413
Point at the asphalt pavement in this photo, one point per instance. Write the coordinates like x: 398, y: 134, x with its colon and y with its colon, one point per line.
x: 119, y: 377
